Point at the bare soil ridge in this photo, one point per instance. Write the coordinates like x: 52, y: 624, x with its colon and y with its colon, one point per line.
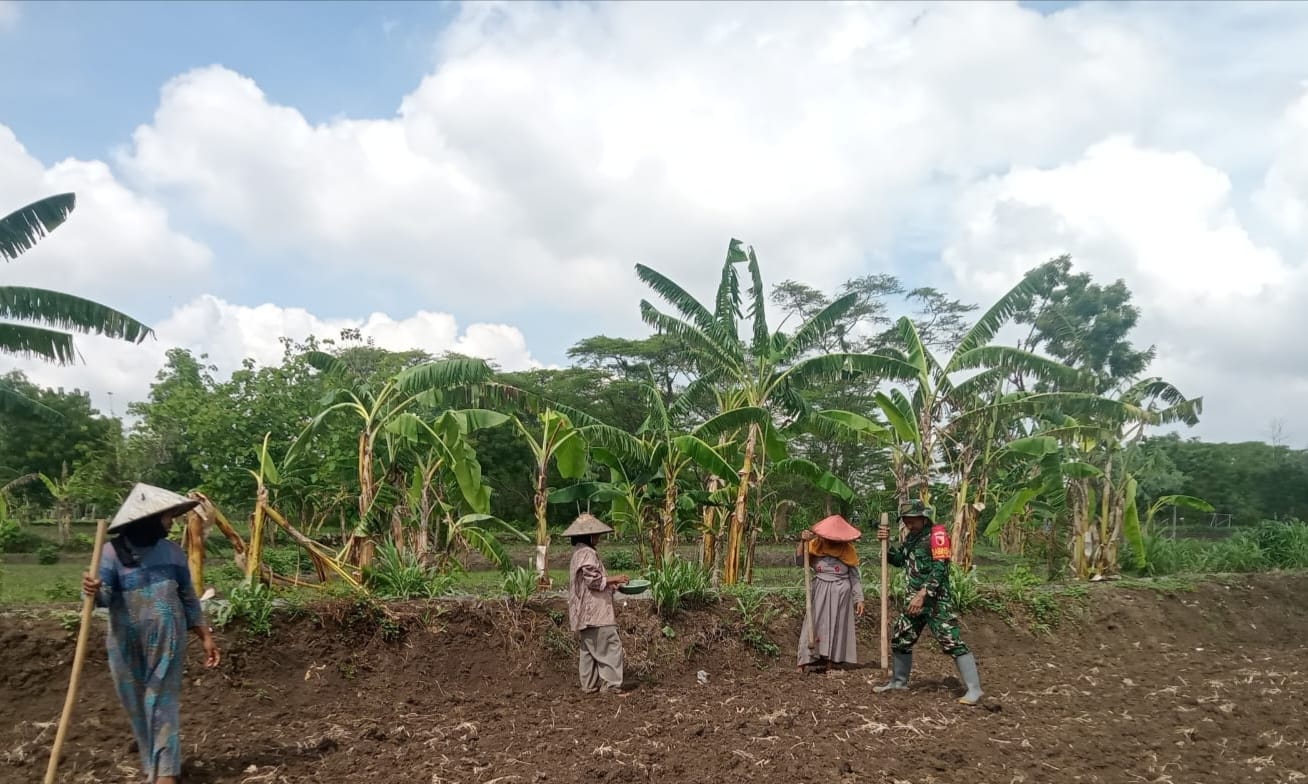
x: 1209, y: 685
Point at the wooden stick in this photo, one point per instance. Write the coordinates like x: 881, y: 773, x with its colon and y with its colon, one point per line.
x: 83, y: 632
x: 885, y: 595
x: 808, y: 596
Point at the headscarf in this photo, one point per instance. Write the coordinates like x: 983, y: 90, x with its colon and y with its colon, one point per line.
x: 844, y: 552
x: 137, y: 538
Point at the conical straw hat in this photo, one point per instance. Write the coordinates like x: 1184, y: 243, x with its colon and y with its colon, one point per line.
x: 147, y: 501
x: 837, y: 529
x: 585, y: 525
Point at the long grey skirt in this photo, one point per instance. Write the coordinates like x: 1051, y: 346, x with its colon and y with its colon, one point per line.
x: 834, y: 597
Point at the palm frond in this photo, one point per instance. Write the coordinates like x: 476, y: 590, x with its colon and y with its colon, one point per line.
x: 810, y: 471
x: 14, y: 402
x: 675, y: 295
x: 757, y: 310
x: 812, y: 331
x: 731, y: 421
x: 704, y: 456
x: 727, y: 304
x: 443, y: 374
x: 22, y: 228
x: 29, y: 342
x: 985, y: 329
x: 726, y: 354
x: 1016, y: 361
x: 65, y: 311
x: 841, y: 366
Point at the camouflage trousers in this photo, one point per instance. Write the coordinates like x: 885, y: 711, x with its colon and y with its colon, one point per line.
x: 940, y: 618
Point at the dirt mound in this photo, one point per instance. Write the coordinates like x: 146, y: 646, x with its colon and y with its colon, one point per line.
x: 1203, y: 686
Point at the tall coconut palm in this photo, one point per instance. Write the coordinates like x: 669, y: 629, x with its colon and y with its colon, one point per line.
x: 763, y: 369
x: 39, y: 322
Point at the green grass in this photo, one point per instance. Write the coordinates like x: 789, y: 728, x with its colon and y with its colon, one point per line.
x: 26, y: 583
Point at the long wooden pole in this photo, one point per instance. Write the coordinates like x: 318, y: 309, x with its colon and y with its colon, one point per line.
x: 83, y: 633
x: 808, y: 596
x: 885, y: 596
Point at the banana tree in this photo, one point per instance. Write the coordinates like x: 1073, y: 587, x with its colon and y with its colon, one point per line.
x: 62, y: 493
x: 376, y: 409
x: 555, y: 442
x: 447, y: 493
x: 950, y: 418
x: 764, y: 369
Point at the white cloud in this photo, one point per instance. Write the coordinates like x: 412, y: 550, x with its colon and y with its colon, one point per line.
x: 9, y: 15
x: 230, y: 333
x: 1284, y: 195
x: 1224, y: 309
x: 554, y: 146
x: 117, y: 247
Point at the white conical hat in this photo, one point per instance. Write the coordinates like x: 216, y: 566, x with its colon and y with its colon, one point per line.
x: 146, y: 501
x: 586, y: 525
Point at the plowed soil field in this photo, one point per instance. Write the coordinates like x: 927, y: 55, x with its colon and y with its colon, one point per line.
x: 1205, y: 686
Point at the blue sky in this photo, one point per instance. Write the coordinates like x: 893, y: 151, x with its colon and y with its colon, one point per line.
x: 483, y: 177
x: 92, y: 71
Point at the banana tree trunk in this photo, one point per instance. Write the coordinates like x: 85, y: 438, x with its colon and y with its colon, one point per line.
x: 359, y: 547
x: 708, y: 542
x: 542, y: 528
x: 739, y: 519
x: 669, y: 520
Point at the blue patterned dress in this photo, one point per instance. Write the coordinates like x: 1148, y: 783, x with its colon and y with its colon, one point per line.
x: 151, y: 607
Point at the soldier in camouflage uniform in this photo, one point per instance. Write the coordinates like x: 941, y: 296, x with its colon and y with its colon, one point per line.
x: 930, y: 605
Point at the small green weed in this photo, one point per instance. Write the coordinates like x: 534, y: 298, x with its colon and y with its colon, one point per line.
x: 399, y: 575
x: 678, y: 584
x: 63, y: 590
x: 250, y: 604
x: 756, y: 615
x: 519, y: 583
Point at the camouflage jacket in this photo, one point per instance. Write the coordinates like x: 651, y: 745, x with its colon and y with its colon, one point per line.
x: 922, y: 572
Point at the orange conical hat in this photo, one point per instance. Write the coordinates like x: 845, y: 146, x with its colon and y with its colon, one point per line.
x: 837, y: 529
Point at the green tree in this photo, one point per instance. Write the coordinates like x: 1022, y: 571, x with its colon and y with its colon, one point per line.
x: 765, y: 369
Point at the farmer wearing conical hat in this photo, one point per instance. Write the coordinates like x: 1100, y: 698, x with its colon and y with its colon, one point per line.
x: 837, y: 594
x: 590, y: 608
x: 145, y: 583
x: 925, y: 555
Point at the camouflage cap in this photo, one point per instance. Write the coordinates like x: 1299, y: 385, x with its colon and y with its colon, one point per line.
x: 916, y: 508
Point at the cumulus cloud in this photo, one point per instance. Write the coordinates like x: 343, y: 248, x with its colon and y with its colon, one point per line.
x: 230, y: 333
x: 1224, y: 309
x: 1284, y: 195
x: 118, y: 247
x: 555, y: 145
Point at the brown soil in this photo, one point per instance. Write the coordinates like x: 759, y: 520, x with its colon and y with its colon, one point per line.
x: 1205, y: 686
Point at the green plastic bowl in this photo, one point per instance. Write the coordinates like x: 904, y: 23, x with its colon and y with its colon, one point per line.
x: 635, y: 586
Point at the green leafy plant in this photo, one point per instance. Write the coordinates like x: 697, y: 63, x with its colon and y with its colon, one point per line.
x: 399, y: 575
x: 677, y: 584
x: 621, y: 560
x: 250, y: 603
x: 63, y: 590
x: 47, y: 555
x: 756, y: 615
x: 519, y: 583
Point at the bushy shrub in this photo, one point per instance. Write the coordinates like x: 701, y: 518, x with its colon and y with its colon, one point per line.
x: 621, y: 560
x: 47, y: 555
x: 15, y: 539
